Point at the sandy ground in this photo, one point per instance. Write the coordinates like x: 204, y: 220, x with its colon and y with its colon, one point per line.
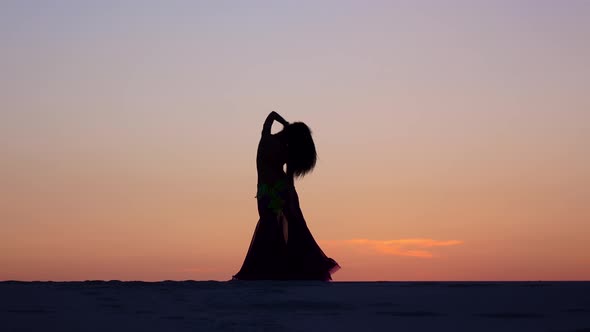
x: 294, y: 306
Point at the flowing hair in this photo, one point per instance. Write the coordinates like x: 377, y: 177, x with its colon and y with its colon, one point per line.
x: 302, y: 155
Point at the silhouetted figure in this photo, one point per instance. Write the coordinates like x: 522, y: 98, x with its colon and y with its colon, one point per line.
x: 282, y: 247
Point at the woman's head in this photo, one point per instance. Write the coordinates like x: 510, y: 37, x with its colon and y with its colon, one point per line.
x: 301, y: 152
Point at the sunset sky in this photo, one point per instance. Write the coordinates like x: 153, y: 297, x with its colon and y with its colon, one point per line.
x: 453, y: 136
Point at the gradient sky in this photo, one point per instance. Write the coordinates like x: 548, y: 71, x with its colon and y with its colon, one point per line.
x: 453, y: 136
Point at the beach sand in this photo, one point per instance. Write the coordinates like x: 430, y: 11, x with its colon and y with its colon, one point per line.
x: 294, y: 306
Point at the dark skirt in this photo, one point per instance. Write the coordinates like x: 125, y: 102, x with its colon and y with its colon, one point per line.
x: 274, y: 255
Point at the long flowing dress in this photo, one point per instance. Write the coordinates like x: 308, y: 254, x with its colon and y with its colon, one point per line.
x: 282, y: 247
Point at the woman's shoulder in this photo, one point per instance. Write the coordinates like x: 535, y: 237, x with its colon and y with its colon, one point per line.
x: 269, y: 138
x: 268, y: 141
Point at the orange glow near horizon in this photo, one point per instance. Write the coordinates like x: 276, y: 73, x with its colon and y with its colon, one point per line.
x: 402, y: 247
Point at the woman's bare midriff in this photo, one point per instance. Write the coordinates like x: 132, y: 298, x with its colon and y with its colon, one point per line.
x: 271, y: 176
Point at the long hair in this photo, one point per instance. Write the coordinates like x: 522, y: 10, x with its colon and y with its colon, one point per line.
x: 302, y: 154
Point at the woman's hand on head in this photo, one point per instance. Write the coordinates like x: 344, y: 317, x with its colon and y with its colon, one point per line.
x: 272, y: 116
x: 279, y: 118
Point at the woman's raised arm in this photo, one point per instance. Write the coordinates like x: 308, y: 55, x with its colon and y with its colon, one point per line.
x: 272, y: 116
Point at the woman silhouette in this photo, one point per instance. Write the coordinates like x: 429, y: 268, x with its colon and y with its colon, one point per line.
x: 282, y: 247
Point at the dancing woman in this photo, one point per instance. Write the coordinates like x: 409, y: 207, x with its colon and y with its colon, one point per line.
x: 282, y: 247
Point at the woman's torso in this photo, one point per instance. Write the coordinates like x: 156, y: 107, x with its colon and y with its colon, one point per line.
x: 274, y: 185
x: 270, y: 159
